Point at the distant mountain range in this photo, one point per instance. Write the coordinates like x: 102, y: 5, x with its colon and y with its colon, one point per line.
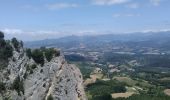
x: 153, y: 39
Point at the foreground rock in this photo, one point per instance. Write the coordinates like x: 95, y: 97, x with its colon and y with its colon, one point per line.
x: 56, y: 79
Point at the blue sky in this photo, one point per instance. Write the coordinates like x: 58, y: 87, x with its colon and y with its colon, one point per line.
x: 42, y: 19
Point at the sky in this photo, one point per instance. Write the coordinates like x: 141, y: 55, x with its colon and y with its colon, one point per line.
x: 44, y: 19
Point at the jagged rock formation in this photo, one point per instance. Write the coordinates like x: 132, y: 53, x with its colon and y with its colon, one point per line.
x: 56, y: 79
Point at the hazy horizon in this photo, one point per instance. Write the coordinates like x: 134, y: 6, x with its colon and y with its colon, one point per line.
x: 34, y: 20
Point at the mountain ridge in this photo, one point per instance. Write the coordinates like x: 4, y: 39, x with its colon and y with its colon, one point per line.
x: 43, y: 75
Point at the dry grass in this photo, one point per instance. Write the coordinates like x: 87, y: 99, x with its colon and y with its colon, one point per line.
x: 122, y: 95
x: 127, y: 80
x: 96, y: 76
x: 88, y: 81
x: 132, y: 82
x: 165, y: 79
x: 92, y: 79
x: 167, y: 92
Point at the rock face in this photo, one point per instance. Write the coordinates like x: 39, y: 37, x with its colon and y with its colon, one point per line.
x: 56, y: 79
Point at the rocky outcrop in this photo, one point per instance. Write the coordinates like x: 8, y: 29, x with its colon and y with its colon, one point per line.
x: 56, y: 79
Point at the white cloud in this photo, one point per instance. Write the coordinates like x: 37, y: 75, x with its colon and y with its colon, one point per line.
x: 133, y: 5
x: 109, y: 2
x: 12, y: 31
x: 29, y: 35
x: 116, y: 15
x: 155, y: 2
x: 155, y: 30
x: 125, y: 15
x: 61, y: 6
x: 132, y: 15
x: 42, y: 34
x: 30, y: 7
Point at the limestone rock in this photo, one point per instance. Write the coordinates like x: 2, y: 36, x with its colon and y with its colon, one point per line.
x: 57, y: 78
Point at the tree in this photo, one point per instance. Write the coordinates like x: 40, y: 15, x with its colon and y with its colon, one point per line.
x: 21, y: 43
x: 49, y: 54
x: 1, y: 35
x: 2, y: 43
x: 38, y: 56
x: 28, y: 52
x: 103, y: 97
x: 8, y: 51
x: 119, y: 89
x: 15, y: 43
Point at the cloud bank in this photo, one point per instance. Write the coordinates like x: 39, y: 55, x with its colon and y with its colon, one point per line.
x: 155, y: 2
x: 61, y: 6
x: 109, y: 2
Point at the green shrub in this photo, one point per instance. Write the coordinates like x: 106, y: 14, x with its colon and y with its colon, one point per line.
x: 38, y: 57
x: 57, y: 53
x: 31, y: 71
x: 38, y: 54
x: 21, y: 43
x: 2, y: 87
x: 27, y: 68
x: 50, y: 52
x: 2, y: 43
x: 33, y: 66
x: 119, y: 89
x: 30, y: 68
x: 50, y: 97
x: 41, y: 71
x: 43, y: 48
x: 7, y: 98
x: 103, y: 97
x: 18, y: 85
x: 15, y: 43
x: 6, y: 52
x: 25, y: 75
x: 28, y: 53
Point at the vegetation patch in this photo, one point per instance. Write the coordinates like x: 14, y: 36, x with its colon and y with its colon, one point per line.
x: 50, y: 97
x: 50, y: 52
x: 30, y: 68
x: 15, y: 43
x: 101, y: 88
x: 33, y: 66
x: 6, y: 51
x: 2, y: 87
x: 127, y: 80
x: 85, y: 68
x: 144, y: 97
x: 39, y: 54
x: 18, y: 85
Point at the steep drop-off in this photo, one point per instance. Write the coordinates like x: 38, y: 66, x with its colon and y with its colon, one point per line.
x: 24, y: 79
